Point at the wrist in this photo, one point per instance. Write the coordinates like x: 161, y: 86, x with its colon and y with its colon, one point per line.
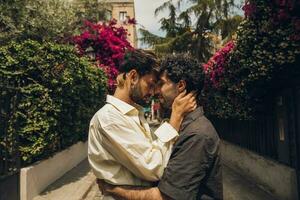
x: 176, y: 115
x: 175, y: 121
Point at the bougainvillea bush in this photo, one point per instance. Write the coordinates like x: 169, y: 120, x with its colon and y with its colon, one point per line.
x: 263, y: 59
x: 106, y: 43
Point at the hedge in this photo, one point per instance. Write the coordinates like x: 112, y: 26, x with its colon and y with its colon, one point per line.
x: 57, y: 94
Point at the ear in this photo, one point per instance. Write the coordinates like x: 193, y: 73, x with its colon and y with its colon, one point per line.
x: 133, y: 76
x: 181, y: 85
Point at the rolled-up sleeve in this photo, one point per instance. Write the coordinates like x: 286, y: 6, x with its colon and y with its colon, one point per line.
x: 166, y: 132
x: 141, y: 155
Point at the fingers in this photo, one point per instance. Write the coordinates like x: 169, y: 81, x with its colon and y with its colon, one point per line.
x: 98, y: 181
x: 192, y: 104
x: 189, y: 98
x: 185, y: 103
x: 182, y: 94
x: 100, y: 189
x: 194, y: 107
x: 194, y: 93
x: 100, y: 184
x: 190, y: 95
x: 186, y: 97
x: 192, y: 99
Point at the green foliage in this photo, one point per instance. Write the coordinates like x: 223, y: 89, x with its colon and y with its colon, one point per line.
x: 57, y: 91
x: 265, y: 60
x: 52, y: 20
x: 150, y: 38
x: 212, y: 17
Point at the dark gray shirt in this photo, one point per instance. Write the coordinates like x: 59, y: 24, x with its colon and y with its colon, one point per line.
x: 194, y: 169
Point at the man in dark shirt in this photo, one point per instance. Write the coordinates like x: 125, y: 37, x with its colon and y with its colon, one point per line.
x: 194, y: 169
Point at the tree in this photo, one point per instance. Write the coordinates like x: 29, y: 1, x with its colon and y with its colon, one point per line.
x: 213, y: 17
x: 52, y: 20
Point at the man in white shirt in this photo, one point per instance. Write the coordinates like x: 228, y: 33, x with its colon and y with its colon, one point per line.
x: 194, y: 170
x: 121, y: 148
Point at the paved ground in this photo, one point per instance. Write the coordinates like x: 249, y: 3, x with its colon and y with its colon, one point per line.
x: 235, y: 188
x: 74, y: 185
x: 79, y: 184
x: 94, y: 194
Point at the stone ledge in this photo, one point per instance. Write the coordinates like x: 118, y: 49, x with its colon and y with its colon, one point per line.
x: 36, y: 178
x: 273, y: 177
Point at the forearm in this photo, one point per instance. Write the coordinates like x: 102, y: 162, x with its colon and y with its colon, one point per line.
x: 176, y: 120
x: 136, y: 193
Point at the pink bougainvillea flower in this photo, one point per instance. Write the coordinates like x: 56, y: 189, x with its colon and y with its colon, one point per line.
x: 295, y: 37
x: 249, y: 9
x: 131, y: 21
x: 283, y: 15
x: 214, y: 68
x: 289, y: 4
x: 107, y: 43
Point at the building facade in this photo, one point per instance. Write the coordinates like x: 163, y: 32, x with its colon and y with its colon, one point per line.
x: 121, y: 10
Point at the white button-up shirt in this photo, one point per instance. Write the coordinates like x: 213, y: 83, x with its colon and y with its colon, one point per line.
x: 121, y: 148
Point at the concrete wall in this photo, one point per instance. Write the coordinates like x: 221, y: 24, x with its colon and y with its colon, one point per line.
x: 34, y: 179
x: 271, y: 176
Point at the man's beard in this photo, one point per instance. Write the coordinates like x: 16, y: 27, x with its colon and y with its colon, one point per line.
x: 136, y: 95
x: 165, y: 103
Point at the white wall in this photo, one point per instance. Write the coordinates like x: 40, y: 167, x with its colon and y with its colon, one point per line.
x: 34, y: 179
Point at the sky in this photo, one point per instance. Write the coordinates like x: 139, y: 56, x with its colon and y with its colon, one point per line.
x: 144, y: 12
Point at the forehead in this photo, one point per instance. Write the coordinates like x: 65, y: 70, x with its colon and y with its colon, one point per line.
x: 164, y: 77
x: 151, y: 77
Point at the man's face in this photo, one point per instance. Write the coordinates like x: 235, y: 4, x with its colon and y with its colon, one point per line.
x: 167, y: 91
x: 142, y: 91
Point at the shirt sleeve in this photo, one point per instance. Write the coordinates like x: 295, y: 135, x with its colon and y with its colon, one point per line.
x: 142, y: 156
x: 187, y: 167
x: 166, y: 132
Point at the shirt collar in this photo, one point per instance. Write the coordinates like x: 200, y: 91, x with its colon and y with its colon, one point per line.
x: 192, y: 116
x: 120, y: 105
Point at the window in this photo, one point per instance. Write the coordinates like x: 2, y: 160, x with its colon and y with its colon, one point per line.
x: 108, y: 14
x: 122, y: 16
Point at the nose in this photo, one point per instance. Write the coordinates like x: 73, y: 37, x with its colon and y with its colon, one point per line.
x: 152, y: 91
x: 157, y: 92
x: 157, y: 89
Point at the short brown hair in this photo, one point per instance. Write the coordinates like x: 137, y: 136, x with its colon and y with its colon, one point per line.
x: 142, y: 61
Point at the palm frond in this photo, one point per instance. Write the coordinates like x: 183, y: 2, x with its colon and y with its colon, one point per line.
x: 150, y: 38
x: 185, y: 18
x: 163, y: 7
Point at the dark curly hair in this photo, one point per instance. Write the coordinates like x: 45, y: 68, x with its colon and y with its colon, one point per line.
x: 144, y: 62
x: 184, y: 67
